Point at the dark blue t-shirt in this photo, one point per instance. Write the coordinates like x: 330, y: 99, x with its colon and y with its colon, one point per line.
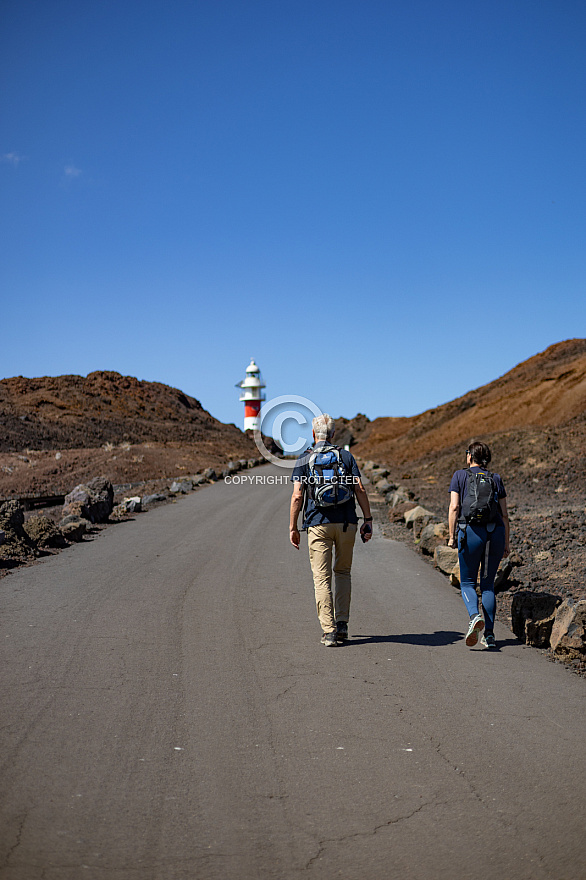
x: 315, y: 516
x: 459, y: 484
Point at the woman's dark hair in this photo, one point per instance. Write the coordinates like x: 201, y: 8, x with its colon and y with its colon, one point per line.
x: 479, y: 453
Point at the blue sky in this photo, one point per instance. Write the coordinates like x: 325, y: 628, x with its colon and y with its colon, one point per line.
x: 382, y: 202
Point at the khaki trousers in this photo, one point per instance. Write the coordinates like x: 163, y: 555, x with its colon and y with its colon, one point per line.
x: 325, y: 542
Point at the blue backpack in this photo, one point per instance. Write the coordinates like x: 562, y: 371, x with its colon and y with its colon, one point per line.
x: 330, y: 484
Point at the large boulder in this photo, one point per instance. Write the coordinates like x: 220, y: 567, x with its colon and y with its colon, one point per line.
x: 568, y: 635
x: 532, y: 617
x: 93, y: 501
x: 432, y: 536
x: 44, y: 532
x: 17, y: 544
x: 383, y: 486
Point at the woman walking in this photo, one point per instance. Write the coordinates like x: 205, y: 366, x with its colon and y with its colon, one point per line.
x: 479, y: 528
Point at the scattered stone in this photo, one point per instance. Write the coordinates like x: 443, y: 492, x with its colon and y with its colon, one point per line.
x: 210, y: 474
x: 383, y: 486
x: 133, y: 505
x: 153, y: 499
x: 568, y: 635
x: 502, y: 574
x: 93, y: 501
x: 446, y: 558
x: 126, y: 507
x: 17, y: 544
x: 420, y: 523
x: 432, y: 536
x: 401, y: 496
x: 180, y: 488
x: 44, y: 532
x: 455, y: 575
x: 532, y: 617
x: 198, y: 479
x: 397, y: 514
x: 73, y: 528
x: 417, y: 513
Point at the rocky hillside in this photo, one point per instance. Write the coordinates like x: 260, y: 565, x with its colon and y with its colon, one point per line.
x: 55, y: 431
x: 546, y: 390
x: 74, y: 412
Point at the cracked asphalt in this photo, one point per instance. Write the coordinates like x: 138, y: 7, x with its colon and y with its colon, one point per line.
x: 170, y: 714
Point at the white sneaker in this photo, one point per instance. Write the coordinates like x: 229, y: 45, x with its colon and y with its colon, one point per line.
x: 474, y: 630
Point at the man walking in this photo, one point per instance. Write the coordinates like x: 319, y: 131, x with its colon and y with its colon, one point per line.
x: 328, y: 479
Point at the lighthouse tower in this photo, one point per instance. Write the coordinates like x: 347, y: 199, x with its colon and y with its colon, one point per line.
x: 252, y: 396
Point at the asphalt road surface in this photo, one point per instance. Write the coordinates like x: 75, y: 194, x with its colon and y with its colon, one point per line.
x: 168, y: 712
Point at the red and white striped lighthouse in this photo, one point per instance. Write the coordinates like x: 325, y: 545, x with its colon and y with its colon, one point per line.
x: 252, y: 396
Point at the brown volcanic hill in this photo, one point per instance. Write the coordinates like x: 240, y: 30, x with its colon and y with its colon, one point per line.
x: 106, y: 424
x: 548, y: 389
x: 70, y: 412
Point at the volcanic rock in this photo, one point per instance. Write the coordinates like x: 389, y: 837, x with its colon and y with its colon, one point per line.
x: 446, y: 558
x: 432, y: 536
x: 44, y: 533
x: 73, y: 528
x: 181, y: 487
x: 533, y: 616
x: 17, y: 544
x: 417, y: 513
x: 568, y: 635
x: 93, y: 501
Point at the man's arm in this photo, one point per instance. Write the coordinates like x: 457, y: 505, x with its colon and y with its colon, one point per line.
x: 362, y: 498
x: 296, y: 505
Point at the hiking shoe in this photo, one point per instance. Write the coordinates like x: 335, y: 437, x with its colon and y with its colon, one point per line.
x: 329, y: 640
x: 342, y: 630
x: 488, y: 641
x: 474, y: 630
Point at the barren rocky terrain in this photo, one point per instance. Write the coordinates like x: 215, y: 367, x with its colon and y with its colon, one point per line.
x: 59, y: 431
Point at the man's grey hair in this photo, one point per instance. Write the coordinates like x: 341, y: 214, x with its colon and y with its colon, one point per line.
x: 323, y: 426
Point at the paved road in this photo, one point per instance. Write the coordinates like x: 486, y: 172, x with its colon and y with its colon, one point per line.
x: 169, y: 713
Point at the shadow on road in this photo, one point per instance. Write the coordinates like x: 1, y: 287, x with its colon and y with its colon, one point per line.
x: 442, y: 637
x: 433, y: 639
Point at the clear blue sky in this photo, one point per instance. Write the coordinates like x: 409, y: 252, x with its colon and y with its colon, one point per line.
x: 382, y: 202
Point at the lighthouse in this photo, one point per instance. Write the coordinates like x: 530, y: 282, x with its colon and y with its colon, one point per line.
x: 252, y: 396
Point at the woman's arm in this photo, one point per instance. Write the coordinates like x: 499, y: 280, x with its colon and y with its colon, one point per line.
x: 453, y: 518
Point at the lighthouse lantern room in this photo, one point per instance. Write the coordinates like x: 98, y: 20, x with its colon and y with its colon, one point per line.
x: 252, y: 395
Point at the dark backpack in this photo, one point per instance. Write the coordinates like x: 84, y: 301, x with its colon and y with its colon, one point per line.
x: 330, y: 484
x: 481, y: 504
